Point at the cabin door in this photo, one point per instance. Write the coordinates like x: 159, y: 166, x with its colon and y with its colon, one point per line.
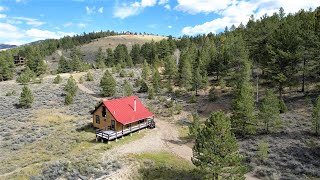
x: 113, y: 125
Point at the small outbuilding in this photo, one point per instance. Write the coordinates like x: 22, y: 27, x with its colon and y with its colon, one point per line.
x: 118, y: 117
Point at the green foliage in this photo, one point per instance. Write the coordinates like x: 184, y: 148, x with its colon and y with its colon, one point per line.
x: 178, y: 108
x: 170, y: 69
x: 118, y: 67
x: 131, y: 74
x: 193, y: 99
x: 216, y: 152
x: 137, y: 82
x: 108, y: 84
x: 243, y: 118
x: 214, y: 94
x: 26, y: 76
x: 144, y: 87
x: 68, y: 99
x: 127, y: 89
x: 269, y: 114
x: 26, y: 98
x: 100, y: 59
x: 135, y: 54
x: 151, y: 93
x: 11, y: 93
x: 89, y: 76
x: 81, y: 80
x: 6, y: 67
x: 195, y: 126
x: 123, y: 73
x: 262, y: 150
x: 185, y: 75
x: 110, y: 61
x: 57, y: 79
x: 145, y: 71
x: 282, y: 106
x: 71, y: 86
x: 63, y: 66
x: 121, y: 55
x: 316, y: 116
x: 196, y: 80
x: 156, y: 79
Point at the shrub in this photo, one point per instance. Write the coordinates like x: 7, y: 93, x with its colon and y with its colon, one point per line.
x: 144, y: 87
x: 57, y: 79
x: 26, y: 98
x: 282, y: 106
x: 122, y: 73
x: 89, y: 77
x: 68, y: 99
x: 194, y: 127
x: 137, y: 83
x: 81, y: 80
x: 11, y: 93
x: 127, y: 89
x: 178, y: 108
x: 214, y: 94
x: 26, y: 76
x: 263, y: 149
x: 151, y: 93
x: 71, y: 86
x: 113, y: 69
x: 118, y: 67
x: 193, y: 99
x: 131, y: 74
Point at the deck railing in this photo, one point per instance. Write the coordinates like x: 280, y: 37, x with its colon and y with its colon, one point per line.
x: 101, y: 134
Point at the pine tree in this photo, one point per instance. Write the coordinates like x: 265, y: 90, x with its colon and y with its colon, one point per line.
x: 26, y: 98
x: 71, y: 86
x: 151, y: 92
x: 63, y: 66
x: 135, y: 54
x: 110, y: 58
x: 89, y: 76
x: 144, y: 87
x: 127, y: 89
x: 196, y: 80
x: 243, y: 117
x: 185, y: 75
x: 108, y: 84
x: 57, y: 79
x: 170, y: 69
x: 316, y: 116
x: 269, y: 114
x: 195, y: 127
x: 145, y: 71
x: 41, y: 67
x: 68, y: 99
x: 100, y: 59
x: 156, y: 80
x: 6, y: 72
x: 216, y: 152
x: 26, y: 76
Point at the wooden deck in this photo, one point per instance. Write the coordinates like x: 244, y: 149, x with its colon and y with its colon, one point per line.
x: 109, y: 135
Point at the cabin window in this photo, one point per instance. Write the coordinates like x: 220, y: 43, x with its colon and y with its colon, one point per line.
x: 113, y: 125
x: 104, y: 112
x: 97, y: 119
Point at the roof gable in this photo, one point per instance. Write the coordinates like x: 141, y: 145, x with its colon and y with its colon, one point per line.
x: 122, y: 109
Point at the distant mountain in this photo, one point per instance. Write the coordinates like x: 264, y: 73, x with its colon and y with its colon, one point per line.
x: 7, y: 46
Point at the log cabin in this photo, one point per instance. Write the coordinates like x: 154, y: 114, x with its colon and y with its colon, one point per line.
x: 118, y: 117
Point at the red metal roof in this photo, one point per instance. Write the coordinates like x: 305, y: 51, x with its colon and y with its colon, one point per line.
x: 122, y: 109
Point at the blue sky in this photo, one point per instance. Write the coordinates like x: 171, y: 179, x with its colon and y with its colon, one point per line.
x: 23, y: 21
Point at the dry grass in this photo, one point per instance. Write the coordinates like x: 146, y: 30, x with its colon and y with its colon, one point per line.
x: 49, y: 117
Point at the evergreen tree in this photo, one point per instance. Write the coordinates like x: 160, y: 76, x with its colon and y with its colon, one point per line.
x: 100, y: 59
x: 89, y: 76
x: 170, y: 69
x: 185, y: 75
x: 63, y: 66
x: 57, y: 79
x: 68, y: 99
x: 127, y: 89
x: 156, y: 80
x: 135, y: 54
x: 316, y: 116
x: 196, y: 80
x: 243, y: 117
x: 145, y: 71
x: 151, y: 92
x: 26, y: 98
x: 195, y: 127
x: 110, y: 58
x: 41, y: 67
x: 71, y: 86
x: 26, y: 76
x: 144, y: 87
x: 216, y: 152
x: 108, y: 84
x: 269, y: 114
